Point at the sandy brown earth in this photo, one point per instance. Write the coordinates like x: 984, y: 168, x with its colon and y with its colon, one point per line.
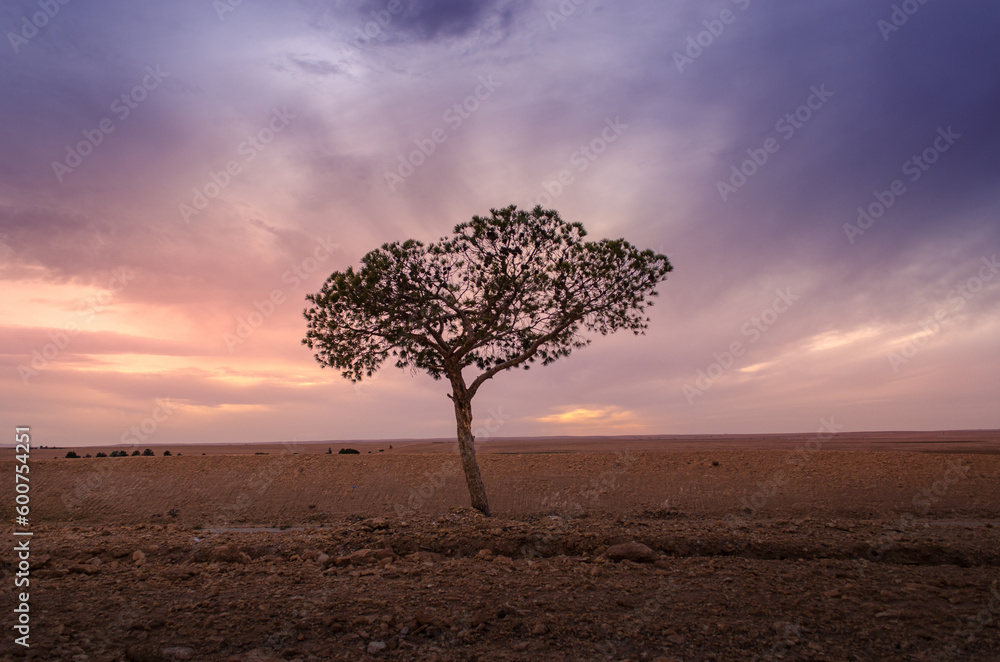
x: 800, y: 553
x: 949, y: 441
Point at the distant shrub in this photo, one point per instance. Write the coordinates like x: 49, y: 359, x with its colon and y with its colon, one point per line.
x: 72, y: 455
x: 348, y: 451
x: 137, y: 453
x: 87, y: 455
x: 166, y: 453
x: 100, y: 454
x: 148, y: 453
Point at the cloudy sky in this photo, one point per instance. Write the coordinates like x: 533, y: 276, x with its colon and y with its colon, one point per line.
x: 176, y: 177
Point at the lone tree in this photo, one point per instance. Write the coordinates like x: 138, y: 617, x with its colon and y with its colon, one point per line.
x: 503, y: 291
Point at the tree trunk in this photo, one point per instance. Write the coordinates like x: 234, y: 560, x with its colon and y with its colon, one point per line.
x: 466, y: 446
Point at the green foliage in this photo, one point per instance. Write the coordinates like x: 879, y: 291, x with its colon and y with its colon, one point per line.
x: 503, y: 291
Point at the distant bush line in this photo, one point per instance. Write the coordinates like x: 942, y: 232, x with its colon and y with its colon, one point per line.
x: 146, y: 453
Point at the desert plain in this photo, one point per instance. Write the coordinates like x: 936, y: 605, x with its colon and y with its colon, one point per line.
x: 850, y: 546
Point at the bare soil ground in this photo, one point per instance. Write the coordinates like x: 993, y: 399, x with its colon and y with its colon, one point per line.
x: 794, y: 553
x: 949, y: 441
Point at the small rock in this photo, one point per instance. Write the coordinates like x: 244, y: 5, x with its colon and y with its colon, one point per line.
x: 632, y: 551
x: 83, y: 569
x: 138, y: 555
x: 229, y: 554
x: 889, y: 613
x: 375, y: 647
x: 360, y: 557
x: 179, y: 652
x: 540, y: 628
x: 426, y: 557
x: 322, y: 558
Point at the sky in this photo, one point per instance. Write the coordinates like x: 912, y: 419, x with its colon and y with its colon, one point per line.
x: 176, y: 177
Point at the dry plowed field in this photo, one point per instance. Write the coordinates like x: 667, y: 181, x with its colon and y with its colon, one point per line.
x: 790, y: 554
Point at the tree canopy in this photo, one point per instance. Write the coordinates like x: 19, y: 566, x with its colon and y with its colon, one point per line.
x: 503, y: 291
x: 509, y: 289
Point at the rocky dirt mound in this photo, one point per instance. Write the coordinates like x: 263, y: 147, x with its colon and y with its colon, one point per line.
x: 651, y: 586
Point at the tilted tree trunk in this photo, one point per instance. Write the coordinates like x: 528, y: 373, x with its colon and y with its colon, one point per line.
x: 466, y: 445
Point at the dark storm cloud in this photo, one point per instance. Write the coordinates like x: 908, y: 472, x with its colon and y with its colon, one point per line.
x: 890, y: 98
x: 437, y: 19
